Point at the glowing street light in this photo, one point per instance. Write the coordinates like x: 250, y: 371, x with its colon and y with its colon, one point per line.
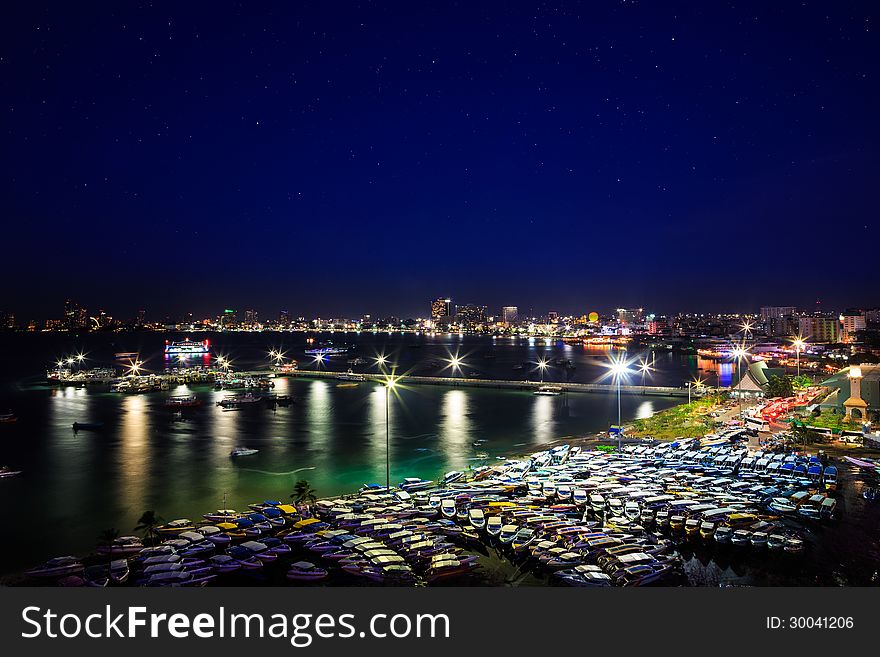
x: 799, y: 344
x: 739, y: 353
x: 390, y: 383
x: 134, y: 367
x: 455, y: 362
x: 542, y: 366
x: 645, y: 368
x: 619, y: 369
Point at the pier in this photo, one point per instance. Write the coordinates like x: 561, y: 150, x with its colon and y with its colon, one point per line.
x: 656, y: 391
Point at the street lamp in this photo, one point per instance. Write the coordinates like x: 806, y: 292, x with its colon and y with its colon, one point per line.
x: 739, y: 353
x: 799, y: 344
x: 455, y: 362
x: 542, y: 366
x: 390, y: 383
x: 644, y: 368
x: 619, y: 369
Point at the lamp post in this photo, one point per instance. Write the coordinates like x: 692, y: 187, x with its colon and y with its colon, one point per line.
x: 739, y: 353
x: 644, y: 368
x: 618, y: 370
x: 542, y: 365
x: 389, y: 384
x: 798, y: 346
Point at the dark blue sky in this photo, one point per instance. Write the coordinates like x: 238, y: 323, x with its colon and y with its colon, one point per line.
x: 340, y: 158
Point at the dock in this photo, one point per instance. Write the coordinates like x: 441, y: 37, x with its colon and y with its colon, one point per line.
x: 655, y: 391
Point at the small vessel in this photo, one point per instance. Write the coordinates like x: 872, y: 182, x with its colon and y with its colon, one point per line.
x: 8, y: 418
x: 237, y: 401
x: 87, y: 426
x: 186, y: 347
x: 306, y: 571
x: 351, y: 376
x: 548, y: 391
x: 182, y: 401
x: 243, y: 451
x: 328, y: 349
x: 57, y: 567
x: 6, y: 472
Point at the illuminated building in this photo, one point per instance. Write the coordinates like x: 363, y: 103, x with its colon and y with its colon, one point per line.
x: 630, y: 315
x: 510, y: 315
x: 441, y: 308
x: 818, y: 329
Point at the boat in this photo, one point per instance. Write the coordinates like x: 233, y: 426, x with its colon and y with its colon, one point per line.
x: 306, y: 571
x: 548, y: 391
x: 8, y: 418
x: 6, y: 472
x: 327, y: 350
x: 782, y: 506
x: 57, y: 567
x: 182, y: 401
x: 477, y: 518
x: 410, y: 484
x: 351, y: 376
x: 122, y: 545
x: 186, y: 347
x: 243, y: 451
x: 87, y: 426
x: 236, y: 401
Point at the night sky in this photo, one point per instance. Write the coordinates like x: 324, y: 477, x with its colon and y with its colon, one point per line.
x: 348, y: 158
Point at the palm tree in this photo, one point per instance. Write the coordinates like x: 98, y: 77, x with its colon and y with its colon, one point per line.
x: 303, y: 493
x: 148, y: 523
x: 107, y: 537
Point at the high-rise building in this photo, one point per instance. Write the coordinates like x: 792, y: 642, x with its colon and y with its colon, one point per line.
x: 852, y: 321
x: 228, y: 319
x: 630, y: 315
x: 470, y: 315
x: 251, y: 318
x: 816, y: 328
x: 440, y: 308
x: 658, y: 326
x: 510, y: 315
x: 75, y: 316
x: 141, y: 318
x: 283, y: 318
x: 775, y: 312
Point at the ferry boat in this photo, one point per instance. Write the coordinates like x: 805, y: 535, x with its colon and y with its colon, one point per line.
x: 350, y: 376
x: 328, y: 350
x: 549, y: 391
x: 186, y: 347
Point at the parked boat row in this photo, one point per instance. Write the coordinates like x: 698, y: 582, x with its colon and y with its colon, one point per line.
x: 572, y: 516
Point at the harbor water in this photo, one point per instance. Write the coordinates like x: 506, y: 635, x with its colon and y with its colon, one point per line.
x: 146, y: 456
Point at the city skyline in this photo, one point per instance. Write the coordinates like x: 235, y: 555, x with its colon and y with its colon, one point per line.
x: 358, y: 161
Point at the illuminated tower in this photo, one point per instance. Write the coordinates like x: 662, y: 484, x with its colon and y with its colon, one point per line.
x: 855, y: 406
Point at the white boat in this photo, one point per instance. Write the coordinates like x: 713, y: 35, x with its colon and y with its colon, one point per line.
x: 243, y: 451
x: 477, y: 518
x: 548, y: 391
x: 494, y: 525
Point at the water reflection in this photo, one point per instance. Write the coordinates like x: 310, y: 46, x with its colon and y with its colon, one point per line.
x: 645, y: 409
x: 542, y: 419
x: 132, y: 470
x: 455, y: 428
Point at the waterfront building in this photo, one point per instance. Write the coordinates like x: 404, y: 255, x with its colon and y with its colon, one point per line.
x: 471, y: 316
x: 441, y: 308
x: 819, y: 329
x: 228, y: 320
x: 510, y: 315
